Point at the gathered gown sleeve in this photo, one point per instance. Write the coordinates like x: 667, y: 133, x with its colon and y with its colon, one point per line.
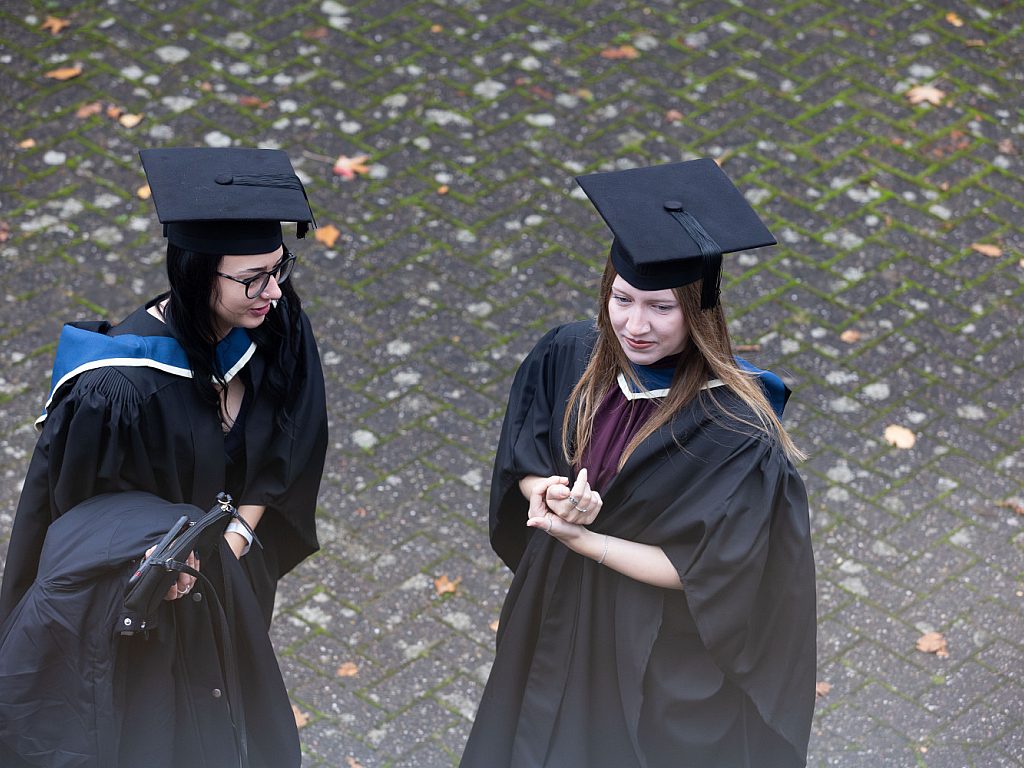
x: 748, y: 577
x: 524, y: 447
x: 285, y: 460
x: 92, y: 442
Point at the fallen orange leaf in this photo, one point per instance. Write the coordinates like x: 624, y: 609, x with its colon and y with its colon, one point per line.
x: 327, y: 234
x: 746, y: 347
x: 144, y: 192
x: 65, y: 73
x: 850, y: 336
x: 1016, y: 506
x: 54, y: 25
x: 352, y: 762
x: 494, y: 625
x: 620, y: 52
x: 129, y: 120
x: 933, y: 642
x: 974, y: 42
x: 954, y: 19
x: 443, y: 585
x: 901, y: 437
x: 986, y: 249
x: 301, y: 718
x: 443, y: 189
x: 929, y: 93
x: 821, y: 688
x: 348, y: 669
x: 435, y: 28
x: 253, y: 101
x: 5, y: 231
x: 674, y: 116
x: 315, y: 33
x: 348, y: 167
x: 27, y: 143
x: 114, y: 111
x: 88, y: 110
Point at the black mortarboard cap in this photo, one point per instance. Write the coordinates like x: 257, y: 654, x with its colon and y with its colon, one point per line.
x: 673, y: 222
x: 225, y: 200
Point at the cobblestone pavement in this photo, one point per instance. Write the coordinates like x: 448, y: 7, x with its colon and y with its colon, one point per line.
x: 894, y: 298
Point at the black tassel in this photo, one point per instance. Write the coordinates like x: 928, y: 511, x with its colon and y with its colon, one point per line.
x: 711, y: 253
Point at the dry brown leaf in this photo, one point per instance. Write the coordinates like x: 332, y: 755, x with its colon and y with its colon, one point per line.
x: 5, y: 231
x: 1015, y: 504
x: 494, y: 625
x: 443, y: 189
x: 27, y: 143
x: 327, y: 234
x: 351, y: 762
x: 54, y: 25
x: 954, y: 20
x: 850, y: 336
x: 987, y: 249
x: 674, y: 116
x: 253, y: 101
x: 129, y: 120
x: 1006, y: 147
x: 974, y: 42
x: 205, y: 86
x: 620, y: 52
x: 933, y: 642
x: 347, y: 167
x: 114, y: 111
x: 746, y: 347
x: 348, y: 669
x: 443, y: 585
x: 315, y: 33
x: 88, y: 110
x: 821, y: 688
x: 65, y: 73
x: 144, y: 192
x: 435, y: 28
x: 301, y: 718
x: 901, y: 437
x: 922, y: 93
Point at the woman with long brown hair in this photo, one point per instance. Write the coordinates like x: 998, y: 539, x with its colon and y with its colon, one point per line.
x: 662, y: 610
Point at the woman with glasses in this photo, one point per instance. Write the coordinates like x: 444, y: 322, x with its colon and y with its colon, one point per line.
x: 213, y: 386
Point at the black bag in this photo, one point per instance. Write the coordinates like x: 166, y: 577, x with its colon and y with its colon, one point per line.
x: 159, y: 571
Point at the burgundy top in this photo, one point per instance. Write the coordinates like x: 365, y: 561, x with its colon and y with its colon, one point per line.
x: 616, y: 422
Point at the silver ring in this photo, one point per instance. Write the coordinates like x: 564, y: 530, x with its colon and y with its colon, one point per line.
x: 550, y: 523
x: 583, y: 510
x: 573, y: 500
x: 186, y: 590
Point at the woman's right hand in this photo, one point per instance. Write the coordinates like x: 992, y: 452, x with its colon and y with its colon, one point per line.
x: 184, y: 583
x: 579, y: 505
x: 534, y: 488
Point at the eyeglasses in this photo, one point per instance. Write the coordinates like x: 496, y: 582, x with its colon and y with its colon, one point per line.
x: 258, y: 283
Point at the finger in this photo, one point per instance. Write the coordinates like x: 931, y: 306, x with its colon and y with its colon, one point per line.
x: 581, y: 483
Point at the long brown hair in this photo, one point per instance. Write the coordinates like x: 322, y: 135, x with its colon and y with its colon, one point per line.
x: 708, y: 354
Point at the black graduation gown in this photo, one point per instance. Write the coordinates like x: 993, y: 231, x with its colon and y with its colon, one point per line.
x: 596, y: 669
x: 138, y: 428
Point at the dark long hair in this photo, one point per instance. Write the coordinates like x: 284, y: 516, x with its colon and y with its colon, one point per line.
x: 189, y: 316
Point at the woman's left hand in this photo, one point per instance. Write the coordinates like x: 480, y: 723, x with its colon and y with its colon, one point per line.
x: 570, y: 534
x: 237, y: 543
